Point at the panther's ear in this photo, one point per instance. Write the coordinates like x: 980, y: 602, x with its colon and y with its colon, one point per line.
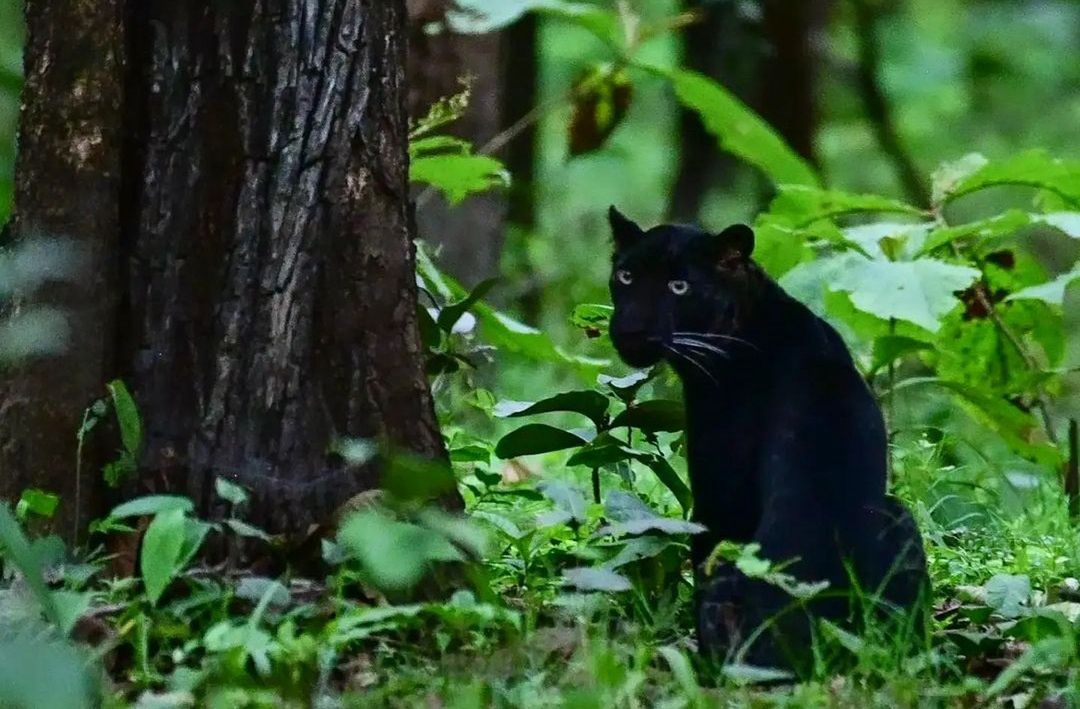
x: 624, y: 231
x: 733, y: 245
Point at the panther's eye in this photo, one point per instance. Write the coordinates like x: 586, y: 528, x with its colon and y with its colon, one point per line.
x: 624, y: 277
x: 678, y: 287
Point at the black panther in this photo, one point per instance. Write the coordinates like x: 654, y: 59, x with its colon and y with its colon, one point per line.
x: 786, y: 445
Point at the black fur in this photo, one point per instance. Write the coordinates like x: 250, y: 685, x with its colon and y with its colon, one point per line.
x: 786, y: 444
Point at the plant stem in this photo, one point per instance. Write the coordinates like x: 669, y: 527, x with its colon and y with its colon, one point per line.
x: 596, y: 485
x: 1072, y: 471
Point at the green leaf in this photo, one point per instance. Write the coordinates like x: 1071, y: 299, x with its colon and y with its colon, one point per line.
x: 740, y: 131
x: 39, y: 502
x: 1067, y: 223
x: 536, y: 438
x: 799, y: 207
x: 638, y: 548
x: 70, y: 606
x: 1052, y: 292
x: 1015, y: 427
x: 396, y: 554
x: 499, y: 329
x: 591, y: 404
x: 458, y: 176
x: 151, y: 505
x: 1008, y: 594
x: 566, y: 498
x: 596, y: 579
x: 1034, y: 168
x: 41, y: 673
x: 949, y: 175
x: 683, y: 671
x: 671, y: 480
x: 127, y: 415
x: 984, y: 230
x: 919, y: 291
x: 603, y: 450
x: 408, y: 476
x: 230, y: 492
x: 889, y: 348
x: 117, y: 471
x: 626, y: 388
x: 1051, y: 653
x: 591, y: 317
x: 631, y: 516
x: 449, y: 315
x: 18, y: 552
x: 162, y: 546
x: 743, y: 675
x: 653, y: 416
x: 244, y: 529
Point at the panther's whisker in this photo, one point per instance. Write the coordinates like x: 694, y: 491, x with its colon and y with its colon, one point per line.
x: 715, y: 336
x: 686, y: 358
x: 701, y: 346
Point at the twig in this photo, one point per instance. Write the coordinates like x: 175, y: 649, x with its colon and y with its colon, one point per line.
x: 877, y: 106
x: 506, y: 135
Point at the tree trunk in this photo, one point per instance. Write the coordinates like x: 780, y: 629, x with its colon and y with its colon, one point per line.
x: 723, y: 45
x: 770, y: 60
x: 788, y: 80
x: 468, y: 238
x: 67, y: 185
x: 268, y: 301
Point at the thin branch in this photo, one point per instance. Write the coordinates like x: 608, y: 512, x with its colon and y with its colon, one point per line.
x: 877, y: 106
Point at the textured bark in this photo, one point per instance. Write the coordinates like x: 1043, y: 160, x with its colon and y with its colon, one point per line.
x: 253, y: 269
x: 272, y: 295
x: 468, y: 238
x: 67, y: 185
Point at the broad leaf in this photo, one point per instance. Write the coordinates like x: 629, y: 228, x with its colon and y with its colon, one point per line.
x: 739, y: 130
x: 671, y: 480
x: 451, y: 314
x: 151, y: 505
x: 638, y: 548
x: 230, y: 492
x: 536, y: 438
x: 596, y: 579
x: 566, y: 498
x: 1034, y: 168
x: 395, y: 554
x: 984, y: 230
x: 1052, y: 292
x: 458, y: 176
x: 626, y: 388
x: 37, y: 501
x: 632, y: 516
x: 889, y: 348
x: 1008, y: 594
x: 1067, y: 223
x: 653, y: 416
x: 799, y: 207
x: 920, y: 291
x: 127, y: 415
x: 588, y: 403
x: 162, y: 546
